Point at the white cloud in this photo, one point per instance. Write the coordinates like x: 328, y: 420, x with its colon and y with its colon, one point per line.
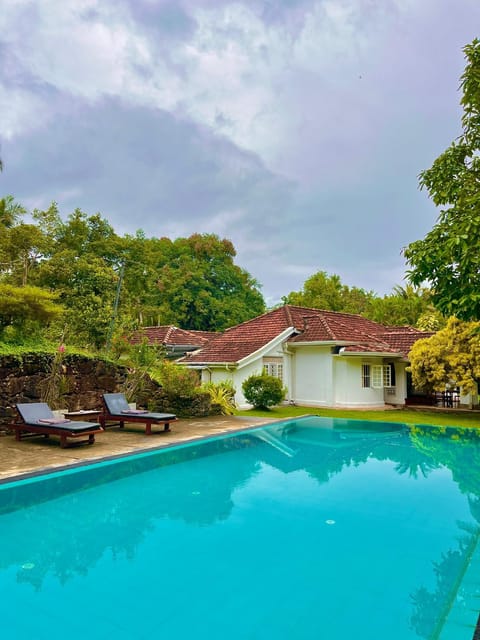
x: 265, y: 87
x: 299, y: 136
x: 20, y: 111
x: 231, y: 75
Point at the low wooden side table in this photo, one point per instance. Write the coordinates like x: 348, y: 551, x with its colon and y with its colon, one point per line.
x: 88, y: 415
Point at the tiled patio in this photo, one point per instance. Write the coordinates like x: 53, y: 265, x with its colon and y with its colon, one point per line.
x: 39, y: 454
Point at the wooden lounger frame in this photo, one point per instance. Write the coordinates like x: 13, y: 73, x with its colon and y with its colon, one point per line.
x: 108, y: 419
x: 26, y: 430
x: 83, y: 433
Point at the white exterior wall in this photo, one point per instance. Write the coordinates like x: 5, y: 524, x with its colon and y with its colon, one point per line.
x: 316, y: 378
x: 235, y: 376
x: 253, y: 367
x: 348, y: 384
x: 312, y: 376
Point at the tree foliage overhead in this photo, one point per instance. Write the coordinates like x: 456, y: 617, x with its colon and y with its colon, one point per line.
x: 451, y: 357
x: 22, y: 307
x: 449, y: 256
x: 203, y: 288
x: 106, y: 282
x: 404, y: 306
x: 323, y: 291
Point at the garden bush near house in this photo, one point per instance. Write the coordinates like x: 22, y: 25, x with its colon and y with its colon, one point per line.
x: 222, y: 396
x: 142, y: 362
x: 177, y: 380
x: 263, y: 391
x: 198, y: 405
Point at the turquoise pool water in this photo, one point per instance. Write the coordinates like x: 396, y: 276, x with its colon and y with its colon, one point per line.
x: 309, y: 529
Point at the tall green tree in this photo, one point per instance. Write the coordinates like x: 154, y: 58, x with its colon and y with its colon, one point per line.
x: 406, y: 306
x: 79, y: 265
x: 10, y: 212
x: 21, y: 244
x: 142, y: 260
x: 202, y: 288
x: 26, y: 309
x: 24, y: 246
x: 449, y: 357
x: 448, y: 258
x: 323, y: 291
x: 107, y: 283
x: 86, y: 286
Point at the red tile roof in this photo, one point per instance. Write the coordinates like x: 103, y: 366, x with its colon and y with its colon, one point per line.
x: 308, y: 325
x: 402, y: 339
x: 243, y: 339
x: 334, y: 326
x: 169, y: 335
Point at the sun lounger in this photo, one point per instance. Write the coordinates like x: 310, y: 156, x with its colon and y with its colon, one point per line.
x: 116, y: 412
x: 36, y: 418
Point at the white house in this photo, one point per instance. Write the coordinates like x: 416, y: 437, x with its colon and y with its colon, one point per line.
x: 324, y: 358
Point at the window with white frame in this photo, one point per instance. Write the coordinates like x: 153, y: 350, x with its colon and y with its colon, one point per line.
x: 378, y: 376
x: 274, y: 369
x: 387, y: 375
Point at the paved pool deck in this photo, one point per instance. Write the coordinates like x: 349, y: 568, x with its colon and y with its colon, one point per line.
x: 41, y: 455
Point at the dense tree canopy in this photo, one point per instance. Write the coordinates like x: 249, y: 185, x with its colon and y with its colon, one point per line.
x: 26, y: 308
x: 203, y: 288
x: 449, y: 358
x: 106, y: 282
x: 323, y: 291
x: 404, y: 306
x: 448, y: 258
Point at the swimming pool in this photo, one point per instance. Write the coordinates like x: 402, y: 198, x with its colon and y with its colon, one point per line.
x: 310, y: 528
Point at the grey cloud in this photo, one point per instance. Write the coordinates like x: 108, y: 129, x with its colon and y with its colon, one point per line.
x: 343, y: 196
x: 167, y: 19
x: 143, y: 168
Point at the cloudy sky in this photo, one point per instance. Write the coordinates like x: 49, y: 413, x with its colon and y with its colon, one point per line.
x: 295, y: 128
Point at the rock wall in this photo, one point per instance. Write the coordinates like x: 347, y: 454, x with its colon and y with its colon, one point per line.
x: 83, y: 381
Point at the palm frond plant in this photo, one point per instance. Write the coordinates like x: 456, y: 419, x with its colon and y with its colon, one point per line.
x: 222, y: 395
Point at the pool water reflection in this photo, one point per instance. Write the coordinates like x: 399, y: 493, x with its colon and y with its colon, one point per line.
x: 311, y: 528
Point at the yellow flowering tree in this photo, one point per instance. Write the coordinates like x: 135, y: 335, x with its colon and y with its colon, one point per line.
x: 451, y: 357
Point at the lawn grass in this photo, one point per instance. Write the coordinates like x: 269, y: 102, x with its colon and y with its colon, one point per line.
x: 436, y: 417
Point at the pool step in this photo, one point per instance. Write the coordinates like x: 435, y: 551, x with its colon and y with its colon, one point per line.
x: 275, y: 442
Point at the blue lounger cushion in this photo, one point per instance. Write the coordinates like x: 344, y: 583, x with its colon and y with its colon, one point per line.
x: 117, y: 405
x: 39, y: 414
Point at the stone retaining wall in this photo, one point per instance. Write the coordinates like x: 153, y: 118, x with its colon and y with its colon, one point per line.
x: 84, y: 380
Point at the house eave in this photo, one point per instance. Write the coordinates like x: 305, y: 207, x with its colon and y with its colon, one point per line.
x: 279, y: 339
x: 210, y: 365
x: 366, y: 354
x: 319, y: 343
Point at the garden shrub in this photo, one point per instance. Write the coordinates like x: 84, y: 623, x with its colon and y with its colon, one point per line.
x: 178, y: 380
x: 141, y: 360
x: 222, y: 396
x: 263, y: 391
